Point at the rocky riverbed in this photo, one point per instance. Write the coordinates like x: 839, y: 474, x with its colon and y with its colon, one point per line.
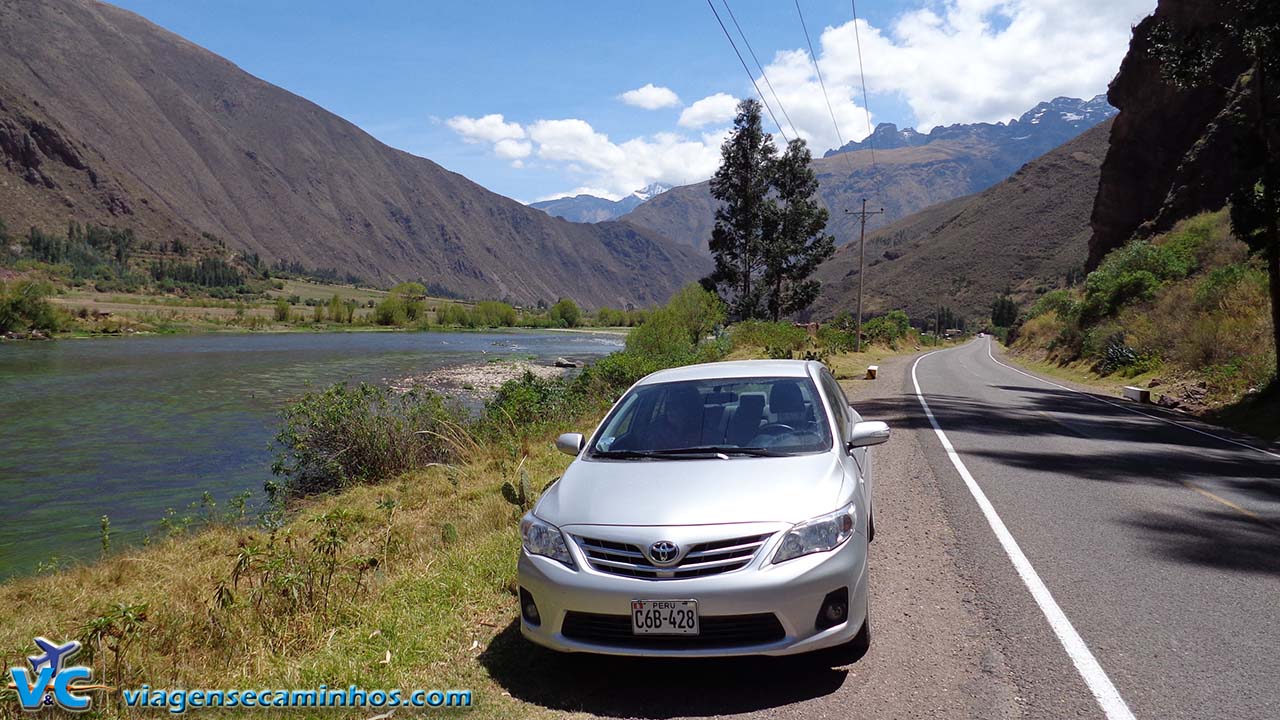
x: 477, y: 380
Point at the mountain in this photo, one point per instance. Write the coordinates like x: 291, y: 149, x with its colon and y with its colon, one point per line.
x: 105, y: 117
x: 1025, y: 233
x: 592, y: 209
x: 1039, y: 130
x: 912, y: 171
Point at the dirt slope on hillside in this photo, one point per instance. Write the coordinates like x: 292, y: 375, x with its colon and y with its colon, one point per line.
x: 1025, y: 233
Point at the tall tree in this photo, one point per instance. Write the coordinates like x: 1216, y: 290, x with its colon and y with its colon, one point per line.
x: 795, y: 241
x: 1189, y: 57
x: 741, y: 184
x: 1004, y: 311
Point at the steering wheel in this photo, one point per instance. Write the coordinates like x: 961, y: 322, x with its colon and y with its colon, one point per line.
x: 773, y: 429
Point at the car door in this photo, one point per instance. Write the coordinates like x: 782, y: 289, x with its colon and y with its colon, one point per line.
x: 846, y: 417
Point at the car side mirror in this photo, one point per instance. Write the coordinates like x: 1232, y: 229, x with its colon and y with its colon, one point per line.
x: 866, y: 433
x: 572, y: 443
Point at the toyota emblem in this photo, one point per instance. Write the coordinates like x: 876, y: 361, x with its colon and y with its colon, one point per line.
x: 664, y: 552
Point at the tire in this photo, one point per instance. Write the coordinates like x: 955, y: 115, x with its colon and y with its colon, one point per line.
x: 871, y: 526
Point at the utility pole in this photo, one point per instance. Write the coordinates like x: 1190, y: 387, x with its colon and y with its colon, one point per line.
x: 862, y: 265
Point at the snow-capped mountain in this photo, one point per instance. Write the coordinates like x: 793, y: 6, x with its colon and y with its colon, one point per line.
x: 592, y: 209
x: 650, y: 191
x: 1040, y: 129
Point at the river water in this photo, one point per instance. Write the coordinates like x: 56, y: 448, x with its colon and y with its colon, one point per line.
x: 129, y: 427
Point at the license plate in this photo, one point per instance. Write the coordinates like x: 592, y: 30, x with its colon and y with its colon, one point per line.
x: 664, y: 617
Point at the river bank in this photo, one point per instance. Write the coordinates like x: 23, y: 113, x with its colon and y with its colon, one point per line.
x: 139, y: 430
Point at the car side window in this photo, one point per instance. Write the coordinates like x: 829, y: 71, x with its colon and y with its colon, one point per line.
x: 835, y: 395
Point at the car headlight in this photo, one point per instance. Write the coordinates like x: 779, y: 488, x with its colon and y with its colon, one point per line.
x: 820, y: 534
x: 543, y: 538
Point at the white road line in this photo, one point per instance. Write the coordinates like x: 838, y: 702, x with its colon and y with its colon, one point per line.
x: 1086, y: 664
x: 1129, y: 409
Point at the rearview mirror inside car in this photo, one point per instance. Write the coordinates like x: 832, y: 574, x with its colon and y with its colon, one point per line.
x: 868, y: 433
x: 571, y: 443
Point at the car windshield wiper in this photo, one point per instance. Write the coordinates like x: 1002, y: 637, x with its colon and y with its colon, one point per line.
x: 721, y: 450
x: 622, y: 454
x: 689, y: 453
x: 650, y: 455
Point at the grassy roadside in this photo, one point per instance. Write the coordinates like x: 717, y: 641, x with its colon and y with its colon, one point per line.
x: 403, y: 580
x: 1185, y: 313
x: 1255, y: 416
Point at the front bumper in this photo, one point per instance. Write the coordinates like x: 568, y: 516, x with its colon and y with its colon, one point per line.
x: 734, y: 607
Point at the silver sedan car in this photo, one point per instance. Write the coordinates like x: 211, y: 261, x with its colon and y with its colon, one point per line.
x: 719, y: 509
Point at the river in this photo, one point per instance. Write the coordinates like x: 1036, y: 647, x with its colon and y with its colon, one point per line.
x: 130, y: 427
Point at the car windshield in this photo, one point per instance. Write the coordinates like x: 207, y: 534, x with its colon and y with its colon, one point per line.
x: 725, y: 417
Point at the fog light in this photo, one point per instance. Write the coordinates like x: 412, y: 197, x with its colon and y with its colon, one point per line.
x: 528, y: 608
x: 834, y: 610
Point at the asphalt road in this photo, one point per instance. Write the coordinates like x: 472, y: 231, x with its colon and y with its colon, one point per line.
x: 1155, y: 551
x: 1159, y: 543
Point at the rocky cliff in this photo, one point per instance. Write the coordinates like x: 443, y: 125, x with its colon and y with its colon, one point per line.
x: 1170, y: 153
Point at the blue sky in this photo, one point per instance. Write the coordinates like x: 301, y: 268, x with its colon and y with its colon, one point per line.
x: 421, y: 75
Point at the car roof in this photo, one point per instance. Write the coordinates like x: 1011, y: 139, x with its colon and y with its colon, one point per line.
x: 731, y: 369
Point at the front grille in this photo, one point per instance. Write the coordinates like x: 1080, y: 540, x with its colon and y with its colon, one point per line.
x: 724, y: 631
x: 709, y: 558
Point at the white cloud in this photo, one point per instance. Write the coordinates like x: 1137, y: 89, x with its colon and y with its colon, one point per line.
x: 718, y: 108
x: 490, y: 128
x: 604, y: 168
x: 650, y: 97
x: 964, y: 61
x: 584, y: 190
x: 950, y: 61
x: 620, y: 168
x: 511, y: 149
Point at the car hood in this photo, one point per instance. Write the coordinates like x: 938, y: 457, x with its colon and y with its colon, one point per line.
x: 694, y: 492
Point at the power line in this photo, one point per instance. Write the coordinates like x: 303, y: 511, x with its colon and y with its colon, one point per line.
x: 866, y: 106
x: 748, y: 70
x: 818, y: 69
x: 760, y: 68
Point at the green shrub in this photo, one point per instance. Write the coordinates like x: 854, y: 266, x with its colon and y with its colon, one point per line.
x: 1222, y: 284
x: 24, y: 305
x: 699, y: 311
x: 608, y: 317
x: 662, y: 337
x: 833, y: 339
x: 780, y: 336
x: 349, y: 435
x: 565, y: 313
x: 1133, y: 274
x: 491, y: 313
x: 887, y: 329
x: 527, y: 404
x: 390, y: 311
x: 1192, y: 241
x: 1063, y: 302
x: 455, y: 315
x: 282, y: 310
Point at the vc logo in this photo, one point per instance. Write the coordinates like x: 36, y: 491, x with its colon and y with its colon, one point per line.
x: 49, y: 681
